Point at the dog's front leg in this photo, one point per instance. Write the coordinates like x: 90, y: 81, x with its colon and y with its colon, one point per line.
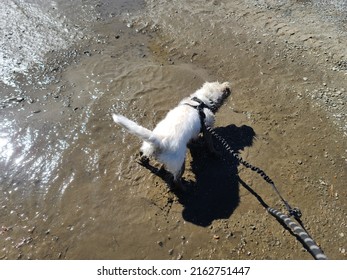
x: 209, y: 142
x: 177, y: 180
x: 142, y: 159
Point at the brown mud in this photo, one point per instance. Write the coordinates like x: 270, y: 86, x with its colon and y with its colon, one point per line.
x: 71, y: 186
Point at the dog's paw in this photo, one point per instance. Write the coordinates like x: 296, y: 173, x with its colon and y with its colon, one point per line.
x: 142, y: 159
x: 183, y: 187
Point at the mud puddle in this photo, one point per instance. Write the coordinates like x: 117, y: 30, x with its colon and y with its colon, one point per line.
x: 71, y: 186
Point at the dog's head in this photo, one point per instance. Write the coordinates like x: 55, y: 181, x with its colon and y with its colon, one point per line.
x: 214, y: 94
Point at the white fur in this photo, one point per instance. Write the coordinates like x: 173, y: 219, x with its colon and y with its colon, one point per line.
x: 168, y: 141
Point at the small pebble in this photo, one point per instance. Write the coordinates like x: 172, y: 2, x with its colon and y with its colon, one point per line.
x: 31, y: 230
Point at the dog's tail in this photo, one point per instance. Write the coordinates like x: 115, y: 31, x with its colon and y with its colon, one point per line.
x: 140, y: 131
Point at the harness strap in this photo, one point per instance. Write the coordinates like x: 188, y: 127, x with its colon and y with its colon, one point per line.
x: 200, y: 107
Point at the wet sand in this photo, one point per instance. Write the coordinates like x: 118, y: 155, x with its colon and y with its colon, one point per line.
x: 71, y: 187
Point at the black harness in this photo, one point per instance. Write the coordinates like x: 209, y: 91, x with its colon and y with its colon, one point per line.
x: 200, y: 108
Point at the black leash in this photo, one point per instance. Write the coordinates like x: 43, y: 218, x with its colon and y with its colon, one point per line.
x: 200, y: 108
x: 292, y: 211
x: 301, y: 234
x: 298, y: 230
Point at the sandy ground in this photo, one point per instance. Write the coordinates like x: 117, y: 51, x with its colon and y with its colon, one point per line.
x: 71, y: 186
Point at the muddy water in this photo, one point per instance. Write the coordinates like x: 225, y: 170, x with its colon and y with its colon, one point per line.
x: 71, y: 187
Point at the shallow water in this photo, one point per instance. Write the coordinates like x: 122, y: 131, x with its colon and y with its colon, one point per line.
x: 59, y: 154
x: 71, y: 187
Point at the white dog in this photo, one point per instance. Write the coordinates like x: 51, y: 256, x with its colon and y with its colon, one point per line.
x: 167, y: 143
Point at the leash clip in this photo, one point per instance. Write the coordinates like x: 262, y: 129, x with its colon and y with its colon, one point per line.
x: 295, y: 212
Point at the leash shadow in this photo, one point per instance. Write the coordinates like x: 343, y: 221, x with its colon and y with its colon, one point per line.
x: 215, y: 194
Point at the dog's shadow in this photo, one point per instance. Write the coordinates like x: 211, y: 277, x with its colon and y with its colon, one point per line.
x: 215, y: 192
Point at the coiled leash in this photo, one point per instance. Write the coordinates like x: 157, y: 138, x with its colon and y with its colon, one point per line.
x: 298, y: 231
x: 305, y: 239
x: 292, y: 211
x: 301, y: 234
